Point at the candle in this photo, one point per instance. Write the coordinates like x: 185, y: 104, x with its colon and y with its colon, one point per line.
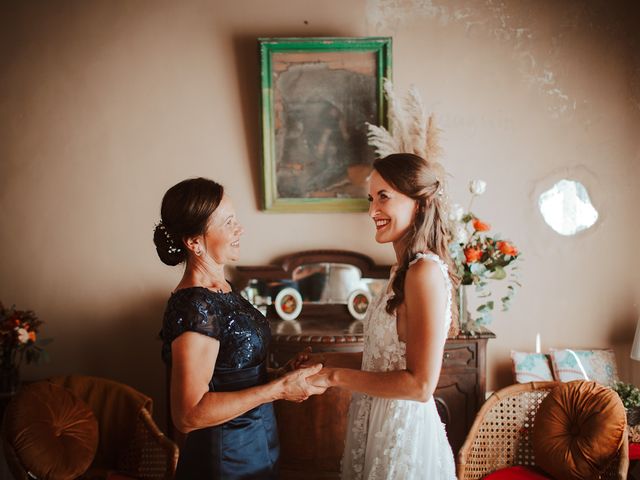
x: 537, y: 343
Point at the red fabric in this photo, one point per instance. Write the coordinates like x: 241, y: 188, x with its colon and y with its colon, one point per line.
x: 517, y: 473
x: 634, y: 451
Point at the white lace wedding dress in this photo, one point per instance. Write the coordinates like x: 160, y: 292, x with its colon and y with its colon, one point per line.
x: 395, y: 439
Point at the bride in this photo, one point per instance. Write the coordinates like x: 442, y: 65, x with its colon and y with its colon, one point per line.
x: 394, y: 430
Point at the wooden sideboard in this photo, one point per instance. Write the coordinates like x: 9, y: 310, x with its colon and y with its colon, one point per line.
x: 312, y: 433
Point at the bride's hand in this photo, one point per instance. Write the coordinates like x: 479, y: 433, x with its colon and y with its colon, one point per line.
x: 323, y: 379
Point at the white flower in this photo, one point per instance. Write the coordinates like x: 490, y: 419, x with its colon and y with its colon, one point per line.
x: 477, y: 187
x: 23, y: 335
x: 460, y: 234
x: 456, y: 212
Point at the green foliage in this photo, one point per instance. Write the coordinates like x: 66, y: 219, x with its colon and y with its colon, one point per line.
x: 628, y: 393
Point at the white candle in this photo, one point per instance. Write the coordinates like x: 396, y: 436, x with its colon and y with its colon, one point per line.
x: 537, y: 343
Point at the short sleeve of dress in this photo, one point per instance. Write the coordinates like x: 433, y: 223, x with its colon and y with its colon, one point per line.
x: 190, y: 310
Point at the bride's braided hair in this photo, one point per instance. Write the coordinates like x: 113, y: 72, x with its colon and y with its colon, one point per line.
x: 422, y: 181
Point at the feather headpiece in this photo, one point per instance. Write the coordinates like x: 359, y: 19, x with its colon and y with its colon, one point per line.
x: 410, y: 129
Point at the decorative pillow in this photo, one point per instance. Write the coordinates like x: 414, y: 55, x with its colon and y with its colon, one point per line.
x: 517, y: 473
x: 531, y: 367
x: 578, y: 430
x: 599, y: 365
x: 53, y: 433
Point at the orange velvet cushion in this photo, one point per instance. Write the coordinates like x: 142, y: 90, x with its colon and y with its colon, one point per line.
x: 578, y: 430
x: 116, y: 407
x: 53, y: 433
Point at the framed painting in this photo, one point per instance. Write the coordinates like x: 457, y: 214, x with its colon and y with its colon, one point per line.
x: 317, y: 96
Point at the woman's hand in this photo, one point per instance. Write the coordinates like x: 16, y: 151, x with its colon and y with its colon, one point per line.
x: 325, y: 378
x: 305, y: 359
x: 295, y: 386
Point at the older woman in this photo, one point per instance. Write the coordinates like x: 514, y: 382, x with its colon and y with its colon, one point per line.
x: 216, y: 343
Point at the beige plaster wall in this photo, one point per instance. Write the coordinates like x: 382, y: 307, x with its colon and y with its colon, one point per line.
x: 105, y: 105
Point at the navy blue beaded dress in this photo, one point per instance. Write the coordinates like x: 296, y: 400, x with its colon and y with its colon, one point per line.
x: 245, y: 447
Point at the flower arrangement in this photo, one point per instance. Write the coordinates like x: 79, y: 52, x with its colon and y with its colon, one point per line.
x: 19, y: 338
x: 480, y: 258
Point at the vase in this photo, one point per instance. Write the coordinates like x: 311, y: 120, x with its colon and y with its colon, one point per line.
x: 9, y: 379
x: 467, y: 323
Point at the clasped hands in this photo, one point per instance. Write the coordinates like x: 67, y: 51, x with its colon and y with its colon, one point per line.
x: 304, y: 375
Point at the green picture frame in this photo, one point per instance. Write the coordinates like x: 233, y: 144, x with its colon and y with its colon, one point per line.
x: 316, y: 96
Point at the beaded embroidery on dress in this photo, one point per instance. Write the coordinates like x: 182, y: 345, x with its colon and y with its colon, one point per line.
x: 395, y: 439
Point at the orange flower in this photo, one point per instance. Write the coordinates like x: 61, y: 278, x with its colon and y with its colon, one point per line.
x: 32, y: 336
x: 472, y: 254
x: 480, y: 226
x: 507, y: 248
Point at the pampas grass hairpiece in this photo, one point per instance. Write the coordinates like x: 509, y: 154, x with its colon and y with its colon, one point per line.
x: 410, y: 130
x: 382, y: 141
x: 432, y: 147
x: 416, y: 123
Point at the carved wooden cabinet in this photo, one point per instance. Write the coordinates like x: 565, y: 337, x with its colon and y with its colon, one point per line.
x: 462, y: 384
x: 312, y: 433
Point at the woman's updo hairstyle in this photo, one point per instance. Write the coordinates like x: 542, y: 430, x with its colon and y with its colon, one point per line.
x: 185, y: 212
x: 423, y: 181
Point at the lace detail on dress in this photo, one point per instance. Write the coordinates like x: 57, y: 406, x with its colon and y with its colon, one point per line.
x: 395, y: 439
x: 383, y: 350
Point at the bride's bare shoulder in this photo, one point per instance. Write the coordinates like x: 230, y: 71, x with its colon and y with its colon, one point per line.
x: 424, y: 275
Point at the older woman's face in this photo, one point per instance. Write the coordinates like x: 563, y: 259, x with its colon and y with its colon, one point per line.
x: 222, y: 238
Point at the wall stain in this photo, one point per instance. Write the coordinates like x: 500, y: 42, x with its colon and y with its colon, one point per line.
x: 538, y: 33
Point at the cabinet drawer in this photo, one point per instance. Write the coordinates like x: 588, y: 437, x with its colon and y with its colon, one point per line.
x: 460, y: 355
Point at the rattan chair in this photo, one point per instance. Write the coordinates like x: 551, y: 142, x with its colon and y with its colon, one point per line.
x: 130, y: 443
x: 501, y: 434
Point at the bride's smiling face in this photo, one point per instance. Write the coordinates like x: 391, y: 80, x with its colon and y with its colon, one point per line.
x: 392, y: 212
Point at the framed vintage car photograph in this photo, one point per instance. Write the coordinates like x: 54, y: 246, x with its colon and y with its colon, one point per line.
x: 317, y: 96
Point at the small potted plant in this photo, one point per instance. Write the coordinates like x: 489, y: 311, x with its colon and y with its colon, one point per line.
x: 630, y: 396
